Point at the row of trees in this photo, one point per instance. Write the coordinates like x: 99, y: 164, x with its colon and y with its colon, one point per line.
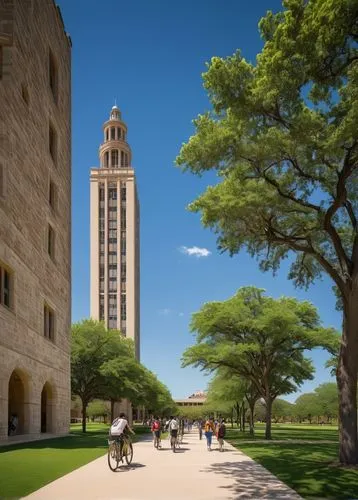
x: 256, y: 347
x: 320, y: 406
x: 283, y: 137
x: 103, y: 366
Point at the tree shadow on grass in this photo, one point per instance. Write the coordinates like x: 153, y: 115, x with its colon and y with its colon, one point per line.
x: 307, y: 469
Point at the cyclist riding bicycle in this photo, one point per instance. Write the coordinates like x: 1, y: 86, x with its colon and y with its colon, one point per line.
x: 120, y: 428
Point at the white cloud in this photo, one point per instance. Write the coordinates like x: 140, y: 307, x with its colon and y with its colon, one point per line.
x: 164, y: 312
x: 196, y: 251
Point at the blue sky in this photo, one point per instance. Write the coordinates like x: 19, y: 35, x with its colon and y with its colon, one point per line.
x: 150, y: 56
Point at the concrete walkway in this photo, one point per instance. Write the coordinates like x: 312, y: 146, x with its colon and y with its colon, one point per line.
x: 190, y: 473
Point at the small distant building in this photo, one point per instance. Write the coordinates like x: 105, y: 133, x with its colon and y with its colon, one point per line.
x: 198, y: 398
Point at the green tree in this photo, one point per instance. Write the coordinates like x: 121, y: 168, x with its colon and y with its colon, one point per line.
x: 327, y: 396
x: 93, y: 348
x: 283, y: 135
x: 191, y: 412
x: 99, y: 408
x: 228, y: 391
x: 122, y: 374
x: 281, y: 410
x: 307, y: 406
x: 154, y: 395
x: 260, y: 339
x: 225, y: 395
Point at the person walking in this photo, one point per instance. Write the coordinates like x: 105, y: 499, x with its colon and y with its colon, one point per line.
x: 200, y: 428
x: 221, y: 431
x: 173, y: 432
x: 156, y: 430
x: 209, y: 431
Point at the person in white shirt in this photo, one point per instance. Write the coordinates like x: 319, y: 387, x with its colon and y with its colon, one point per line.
x: 173, y: 429
x: 119, y: 428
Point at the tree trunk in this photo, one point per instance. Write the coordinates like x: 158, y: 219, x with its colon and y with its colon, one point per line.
x: 112, y: 409
x: 238, y: 416
x: 243, y: 416
x: 232, y: 418
x: 84, y: 415
x: 268, y: 402
x: 347, y: 385
x: 251, y: 421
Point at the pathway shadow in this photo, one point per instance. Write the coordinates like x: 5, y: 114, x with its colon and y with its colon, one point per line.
x: 127, y: 468
x: 251, y: 481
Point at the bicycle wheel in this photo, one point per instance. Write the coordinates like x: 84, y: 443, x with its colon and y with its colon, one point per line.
x: 112, y: 457
x: 128, y: 453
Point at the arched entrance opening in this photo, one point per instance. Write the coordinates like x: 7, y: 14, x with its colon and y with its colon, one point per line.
x: 17, y: 418
x: 46, y: 408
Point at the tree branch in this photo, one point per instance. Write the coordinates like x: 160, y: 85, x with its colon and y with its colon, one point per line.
x: 289, y: 196
x: 339, y: 201
x: 281, y: 238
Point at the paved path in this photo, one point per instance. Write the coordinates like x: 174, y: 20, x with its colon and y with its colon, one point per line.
x: 192, y: 473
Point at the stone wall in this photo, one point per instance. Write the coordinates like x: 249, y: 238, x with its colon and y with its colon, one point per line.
x: 32, y: 33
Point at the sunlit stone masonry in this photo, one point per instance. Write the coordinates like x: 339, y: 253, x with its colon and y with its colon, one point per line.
x: 35, y: 219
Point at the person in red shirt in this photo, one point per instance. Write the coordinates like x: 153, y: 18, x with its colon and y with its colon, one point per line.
x: 156, y: 430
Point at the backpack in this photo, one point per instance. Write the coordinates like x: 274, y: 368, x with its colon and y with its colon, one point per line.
x: 174, y: 425
x: 208, y: 427
x: 221, y: 431
x: 156, y: 425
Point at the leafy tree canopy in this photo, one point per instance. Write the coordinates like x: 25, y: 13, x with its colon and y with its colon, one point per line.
x: 283, y: 135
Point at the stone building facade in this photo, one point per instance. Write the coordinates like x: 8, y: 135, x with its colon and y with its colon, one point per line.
x: 35, y: 219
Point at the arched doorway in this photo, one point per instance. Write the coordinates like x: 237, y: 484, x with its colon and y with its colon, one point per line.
x: 46, y: 408
x: 16, y: 403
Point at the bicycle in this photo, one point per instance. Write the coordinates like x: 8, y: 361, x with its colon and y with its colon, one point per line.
x: 118, y: 448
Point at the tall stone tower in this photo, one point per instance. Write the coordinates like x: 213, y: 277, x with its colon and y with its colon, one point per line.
x: 115, y: 233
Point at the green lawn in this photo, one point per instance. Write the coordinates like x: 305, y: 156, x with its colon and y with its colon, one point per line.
x: 293, y: 432
x: 27, y: 467
x: 307, y: 468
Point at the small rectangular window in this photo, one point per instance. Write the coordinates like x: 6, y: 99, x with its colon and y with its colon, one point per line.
x: 49, y: 323
x: 52, y: 142
x: 2, y: 181
x: 6, y: 281
x: 52, y: 195
x: 113, y: 133
x: 114, y: 158
x: 51, y: 242
x: 1, y: 61
x: 53, y: 75
x: 112, y: 193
